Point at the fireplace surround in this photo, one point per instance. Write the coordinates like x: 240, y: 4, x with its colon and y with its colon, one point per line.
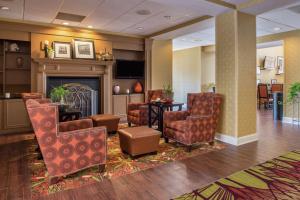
x: 44, y: 68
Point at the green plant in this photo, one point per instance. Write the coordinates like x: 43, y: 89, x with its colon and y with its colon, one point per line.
x: 58, y: 93
x: 50, y: 49
x: 293, y: 92
x: 168, y: 89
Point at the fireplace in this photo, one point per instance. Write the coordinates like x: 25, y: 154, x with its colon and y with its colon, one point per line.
x: 85, y: 92
x: 90, y: 81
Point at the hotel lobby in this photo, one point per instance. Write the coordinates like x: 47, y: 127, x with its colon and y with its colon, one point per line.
x: 149, y: 99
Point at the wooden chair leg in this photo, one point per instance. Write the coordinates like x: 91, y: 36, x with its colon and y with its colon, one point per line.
x: 189, y: 148
x: 101, y: 168
x: 129, y: 124
x: 54, y: 180
x: 166, y: 140
x: 212, y: 143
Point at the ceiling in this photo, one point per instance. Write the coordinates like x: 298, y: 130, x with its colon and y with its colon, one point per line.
x: 283, y: 19
x: 118, y: 16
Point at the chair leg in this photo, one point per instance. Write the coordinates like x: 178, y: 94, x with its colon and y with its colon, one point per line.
x: 101, y: 168
x: 212, y: 143
x: 129, y: 124
x: 54, y: 180
x: 166, y: 140
x: 188, y: 148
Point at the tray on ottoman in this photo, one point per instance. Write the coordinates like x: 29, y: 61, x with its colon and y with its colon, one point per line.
x: 139, y: 140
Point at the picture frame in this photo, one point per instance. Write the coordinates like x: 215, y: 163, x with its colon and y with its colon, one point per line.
x: 62, y: 50
x: 273, y: 81
x: 269, y: 62
x: 280, y: 65
x: 84, y: 49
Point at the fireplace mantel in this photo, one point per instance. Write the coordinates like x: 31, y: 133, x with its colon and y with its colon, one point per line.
x: 43, y: 67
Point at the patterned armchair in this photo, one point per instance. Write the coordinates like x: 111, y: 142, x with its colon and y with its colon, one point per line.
x: 137, y: 113
x: 66, y: 147
x: 197, y: 124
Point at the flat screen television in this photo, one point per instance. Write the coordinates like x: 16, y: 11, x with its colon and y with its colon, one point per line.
x: 129, y: 69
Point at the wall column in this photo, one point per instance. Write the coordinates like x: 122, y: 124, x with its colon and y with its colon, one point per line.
x: 236, y: 76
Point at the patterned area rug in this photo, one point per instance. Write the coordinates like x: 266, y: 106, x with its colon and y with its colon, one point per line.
x: 118, y: 164
x: 275, y: 179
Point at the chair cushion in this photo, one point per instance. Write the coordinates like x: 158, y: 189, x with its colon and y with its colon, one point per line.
x: 178, y: 125
x: 202, y: 105
x: 135, y: 113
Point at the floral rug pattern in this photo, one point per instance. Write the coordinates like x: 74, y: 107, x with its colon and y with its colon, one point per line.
x: 118, y: 164
x: 277, y: 179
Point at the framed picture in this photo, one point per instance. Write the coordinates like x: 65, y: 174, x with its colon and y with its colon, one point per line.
x: 62, y: 50
x: 273, y: 81
x: 83, y: 49
x: 258, y: 70
x: 280, y: 64
x: 269, y: 62
x: 258, y: 81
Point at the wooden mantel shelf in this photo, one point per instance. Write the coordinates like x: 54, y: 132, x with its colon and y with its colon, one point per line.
x: 42, y: 61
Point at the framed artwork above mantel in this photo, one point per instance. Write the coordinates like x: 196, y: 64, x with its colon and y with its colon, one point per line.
x: 83, y: 49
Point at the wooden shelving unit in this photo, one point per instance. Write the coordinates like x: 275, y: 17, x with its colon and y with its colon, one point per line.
x: 15, y: 78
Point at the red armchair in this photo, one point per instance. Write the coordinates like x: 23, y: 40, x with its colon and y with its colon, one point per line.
x: 196, y: 125
x: 66, y: 147
x: 137, y: 113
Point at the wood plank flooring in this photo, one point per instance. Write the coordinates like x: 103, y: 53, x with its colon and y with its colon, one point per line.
x: 163, y: 182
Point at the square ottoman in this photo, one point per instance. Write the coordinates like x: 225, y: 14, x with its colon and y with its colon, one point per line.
x: 111, y: 122
x: 139, y: 140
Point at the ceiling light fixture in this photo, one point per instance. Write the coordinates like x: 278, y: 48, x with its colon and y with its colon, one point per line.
x: 143, y: 12
x: 65, y: 23
x: 140, y: 28
x: 168, y: 17
x: 90, y: 26
x: 4, y: 8
x: 183, y: 39
x: 277, y: 29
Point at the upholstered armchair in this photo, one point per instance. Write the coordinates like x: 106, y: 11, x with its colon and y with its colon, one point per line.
x: 137, y: 113
x: 66, y: 147
x: 196, y: 125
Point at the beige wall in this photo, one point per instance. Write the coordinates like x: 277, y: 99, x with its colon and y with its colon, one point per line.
x: 236, y: 72
x: 186, y: 72
x: 266, y: 75
x: 208, y: 65
x: 291, y: 45
x: 161, y: 63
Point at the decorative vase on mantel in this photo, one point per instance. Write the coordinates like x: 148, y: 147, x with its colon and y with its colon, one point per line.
x: 116, y: 89
x: 138, y: 87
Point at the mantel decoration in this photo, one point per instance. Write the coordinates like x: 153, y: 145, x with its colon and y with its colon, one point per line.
x: 168, y: 93
x: 62, y: 50
x: 84, y: 49
x: 58, y: 94
x: 138, y: 87
x: 106, y: 56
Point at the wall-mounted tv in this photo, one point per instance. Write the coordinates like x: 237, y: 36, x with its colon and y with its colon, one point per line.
x: 129, y: 69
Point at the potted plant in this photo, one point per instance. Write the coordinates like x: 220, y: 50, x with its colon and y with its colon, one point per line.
x: 58, y: 94
x: 294, y: 92
x: 50, y: 52
x: 210, y: 87
x: 168, y: 93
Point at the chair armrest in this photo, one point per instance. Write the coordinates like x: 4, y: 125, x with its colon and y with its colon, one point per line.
x: 135, y: 106
x: 175, y: 115
x: 43, y: 101
x: 75, y: 125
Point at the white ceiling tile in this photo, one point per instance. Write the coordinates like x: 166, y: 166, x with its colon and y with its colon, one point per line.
x: 41, y: 12
x: 15, y: 9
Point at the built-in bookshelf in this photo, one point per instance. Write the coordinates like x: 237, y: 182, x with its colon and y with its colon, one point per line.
x: 15, y: 67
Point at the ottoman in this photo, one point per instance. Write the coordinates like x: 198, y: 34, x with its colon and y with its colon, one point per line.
x: 111, y: 122
x: 139, y: 140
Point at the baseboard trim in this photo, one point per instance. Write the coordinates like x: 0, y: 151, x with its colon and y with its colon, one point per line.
x: 289, y: 120
x: 237, y: 141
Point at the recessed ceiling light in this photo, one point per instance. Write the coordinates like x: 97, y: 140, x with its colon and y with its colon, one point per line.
x: 143, y: 12
x: 4, y: 8
x: 183, y: 39
x: 65, y: 23
x: 89, y: 26
x: 167, y: 17
x: 196, y: 40
x: 277, y: 29
x: 140, y: 28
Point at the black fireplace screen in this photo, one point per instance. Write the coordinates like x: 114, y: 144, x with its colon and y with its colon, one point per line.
x: 84, y: 92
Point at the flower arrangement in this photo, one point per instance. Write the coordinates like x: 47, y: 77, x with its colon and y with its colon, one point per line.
x: 168, y: 93
x: 58, y: 94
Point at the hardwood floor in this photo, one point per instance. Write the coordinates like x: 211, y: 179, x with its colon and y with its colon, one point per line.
x: 163, y: 182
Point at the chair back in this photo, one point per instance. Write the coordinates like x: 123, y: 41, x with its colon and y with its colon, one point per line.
x: 32, y: 95
x: 263, y: 91
x: 154, y: 94
x: 277, y: 88
x: 201, y: 104
x: 44, y: 120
